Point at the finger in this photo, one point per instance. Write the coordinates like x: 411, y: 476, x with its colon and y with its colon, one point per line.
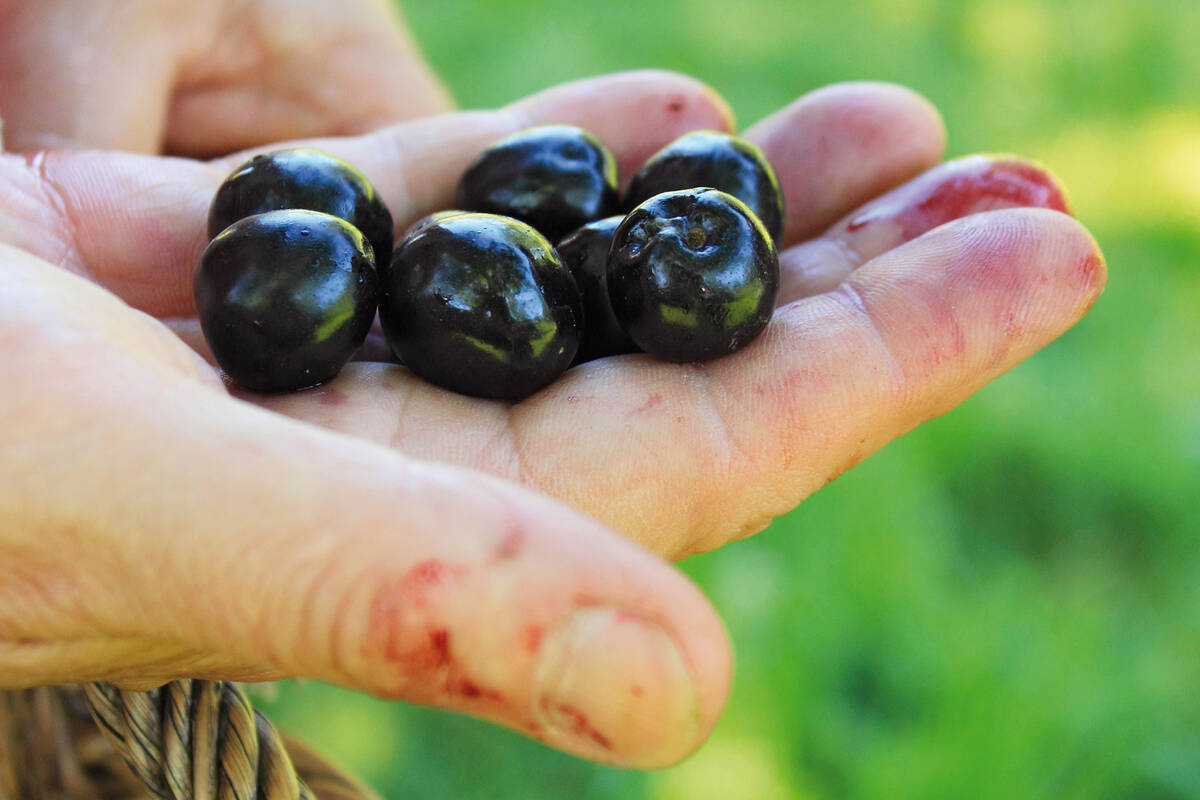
x: 143, y: 506
x: 839, y: 146
x: 735, y: 442
x: 137, y: 224
x: 946, y: 192
x: 62, y: 86
x: 330, y: 69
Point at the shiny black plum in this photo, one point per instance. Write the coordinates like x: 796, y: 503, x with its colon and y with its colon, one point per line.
x: 715, y: 160
x: 285, y: 298
x: 556, y: 178
x: 304, y: 179
x: 429, y: 219
x: 692, y: 275
x: 482, y: 305
x: 585, y: 253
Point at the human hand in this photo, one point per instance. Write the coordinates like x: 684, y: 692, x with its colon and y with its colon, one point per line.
x: 681, y: 458
x: 205, y: 77
x: 835, y: 376
x: 154, y: 527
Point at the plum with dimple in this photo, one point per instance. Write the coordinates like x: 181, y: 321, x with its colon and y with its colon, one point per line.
x: 692, y: 275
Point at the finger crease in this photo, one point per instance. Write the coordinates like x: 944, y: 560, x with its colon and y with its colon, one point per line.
x: 68, y: 258
x: 518, y: 463
x: 853, y: 298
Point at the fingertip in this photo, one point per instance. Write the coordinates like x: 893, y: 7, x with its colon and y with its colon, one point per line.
x: 951, y: 190
x: 921, y: 113
x: 1054, y: 196
x: 997, y: 285
x: 1083, y: 262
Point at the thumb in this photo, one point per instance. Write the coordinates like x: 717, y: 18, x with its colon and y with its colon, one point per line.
x: 198, y: 535
x: 444, y: 587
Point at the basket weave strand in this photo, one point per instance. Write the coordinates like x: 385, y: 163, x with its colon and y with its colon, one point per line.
x: 187, y: 740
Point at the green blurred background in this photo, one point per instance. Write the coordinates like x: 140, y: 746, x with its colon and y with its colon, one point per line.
x: 1006, y: 602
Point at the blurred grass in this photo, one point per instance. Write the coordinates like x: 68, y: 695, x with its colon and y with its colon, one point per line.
x: 1014, y: 614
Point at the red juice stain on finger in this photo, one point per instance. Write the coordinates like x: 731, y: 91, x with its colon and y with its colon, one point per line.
x: 396, y: 629
x: 959, y: 188
x: 652, y: 402
x: 439, y: 646
x: 581, y: 726
x: 333, y: 397
x: 637, y: 691
x: 471, y: 690
x: 425, y: 577
x: 533, y: 638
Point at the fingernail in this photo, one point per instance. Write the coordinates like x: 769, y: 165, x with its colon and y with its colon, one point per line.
x: 615, y: 686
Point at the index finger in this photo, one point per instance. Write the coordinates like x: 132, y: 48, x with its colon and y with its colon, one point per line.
x: 136, y: 224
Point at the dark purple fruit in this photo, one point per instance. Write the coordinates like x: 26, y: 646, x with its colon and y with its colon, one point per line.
x: 719, y: 161
x: 285, y: 298
x: 305, y: 179
x: 692, y: 275
x: 482, y: 305
x: 556, y: 178
x: 585, y: 254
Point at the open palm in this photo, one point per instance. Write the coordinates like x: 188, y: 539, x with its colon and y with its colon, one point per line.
x: 899, y: 301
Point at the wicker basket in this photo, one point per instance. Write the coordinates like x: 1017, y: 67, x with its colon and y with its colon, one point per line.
x: 188, y: 740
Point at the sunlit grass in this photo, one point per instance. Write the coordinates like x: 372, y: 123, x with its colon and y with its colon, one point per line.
x: 1132, y: 173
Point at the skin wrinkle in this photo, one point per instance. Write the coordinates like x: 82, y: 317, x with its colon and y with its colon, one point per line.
x: 849, y: 296
x: 56, y: 201
x: 341, y: 641
x: 520, y: 465
x: 409, y: 388
x: 738, y: 469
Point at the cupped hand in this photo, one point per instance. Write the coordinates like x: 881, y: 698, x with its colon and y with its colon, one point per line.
x: 303, y: 546
x: 205, y: 77
x: 907, y: 285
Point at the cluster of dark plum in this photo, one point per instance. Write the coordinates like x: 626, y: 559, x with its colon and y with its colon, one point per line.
x: 542, y: 265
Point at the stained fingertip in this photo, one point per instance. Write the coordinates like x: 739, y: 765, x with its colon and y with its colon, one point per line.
x: 957, y: 189
x: 949, y: 191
